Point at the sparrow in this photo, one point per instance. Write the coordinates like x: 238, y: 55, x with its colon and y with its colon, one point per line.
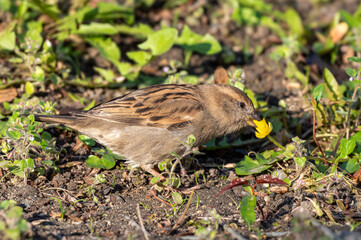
x: 147, y: 125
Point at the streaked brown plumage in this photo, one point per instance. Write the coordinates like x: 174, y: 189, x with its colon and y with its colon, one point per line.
x: 146, y: 125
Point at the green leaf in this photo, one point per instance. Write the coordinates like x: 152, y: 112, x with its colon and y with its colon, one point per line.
x: 351, y: 72
x: 93, y: 162
x: 177, y: 198
x: 13, y: 135
x: 29, y: 88
x: 6, y: 204
x: 4, y: 126
x: 294, y: 22
x: 7, y: 38
x: 162, y: 166
x: 124, y: 68
x: 351, y: 165
x: 34, y: 34
x: 90, y: 105
x: 155, y: 179
x: 140, y: 31
x: 46, y: 136
x: 318, y: 92
x: 95, y: 28
x: 346, y: 147
x: 22, y: 164
x: 87, y: 140
x: 15, y: 212
x: 109, y: 11
x: 115, y: 156
x: 108, y: 75
x: 323, y: 47
x: 140, y: 57
x: 249, y: 166
x: 160, y: 41
x: 289, y: 153
x: 275, y: 27
x: 194, y: 42
x: 357, y: 138
x: 49, y: 9
x: 5, y: 5
x: 108, y: 161
x: 300, y: 161
x: 38, y: 74
x: 354, y: 59
x: 107, y: 48
x: 30, y: 163
x: 332, y: 84
x: 349, y: 19
x: 248, y: 210
x: 191, y: 139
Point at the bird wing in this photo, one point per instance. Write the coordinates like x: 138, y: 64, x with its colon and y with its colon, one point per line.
x: 168, y: 106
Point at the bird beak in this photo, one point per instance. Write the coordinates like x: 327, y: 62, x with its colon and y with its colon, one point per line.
x: 250, y: 119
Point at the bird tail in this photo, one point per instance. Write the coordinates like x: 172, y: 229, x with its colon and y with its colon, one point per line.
x: 60, y: 119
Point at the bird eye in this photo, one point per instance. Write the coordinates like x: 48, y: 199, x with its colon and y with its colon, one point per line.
x: 241, y: 105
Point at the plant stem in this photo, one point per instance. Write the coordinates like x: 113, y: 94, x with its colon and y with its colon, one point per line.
x: 314, y: 131
x: 275, y: 142
x: 349, y: 112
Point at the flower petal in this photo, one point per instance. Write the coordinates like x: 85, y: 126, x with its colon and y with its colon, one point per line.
x: 263, y: 128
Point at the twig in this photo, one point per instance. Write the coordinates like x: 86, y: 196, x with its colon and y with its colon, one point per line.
x: 181, y: 219
x: 314, y: 134
x: 276, y: 234
x: 145, y: 233
x: 349, y: 113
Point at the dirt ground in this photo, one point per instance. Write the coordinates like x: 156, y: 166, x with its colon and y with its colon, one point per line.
x: 110, y: 210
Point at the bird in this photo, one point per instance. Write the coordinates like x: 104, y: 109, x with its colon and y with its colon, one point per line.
x: 147, y: 125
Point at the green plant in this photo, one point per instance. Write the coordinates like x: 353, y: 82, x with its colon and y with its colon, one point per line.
x: 208, y: 228
x: 23, y: 140
x: 248, y: 203
x: 63, y: 211
x: 12, y: 224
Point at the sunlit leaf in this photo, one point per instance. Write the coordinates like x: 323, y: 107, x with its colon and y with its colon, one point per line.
x: 194, y: 42
x: 351, y: 20
x: 354, y: 59
x: 108, y: 10
x: 318, y: 92
x: 108, y: 161
x: 29, y: 88
x: 351, y: 72
x: 107, y: 48
x: 294, y: 21
x: 95, y: 28
x: 248, y: 209
x: 177, y: 198
x: 351, y: 165
x: 13, y: 135
x: 160, y: 41
x: 38, y: 74
x: 300, y: 161
x: 140, y: 57
x: 7, y: 38
x: 87, y: 140
x: 332, y: 84
x: 346, y: 147
x: 249, y: 166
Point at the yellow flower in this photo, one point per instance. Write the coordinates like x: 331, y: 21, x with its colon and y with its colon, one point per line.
x: 262, y: 128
